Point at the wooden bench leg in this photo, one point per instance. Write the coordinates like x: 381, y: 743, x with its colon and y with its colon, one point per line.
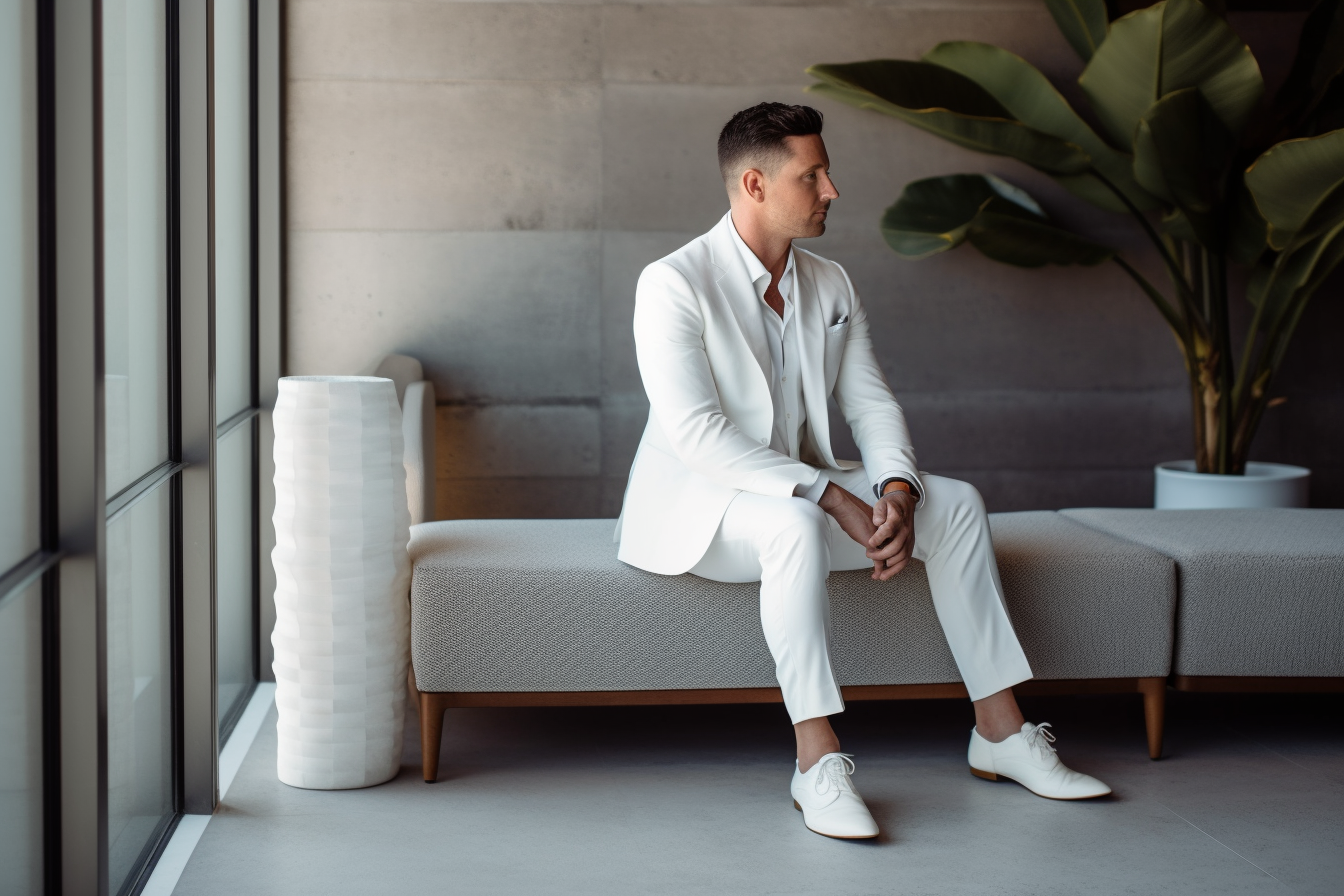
x: 431, y: 734
x: 1154, y: 692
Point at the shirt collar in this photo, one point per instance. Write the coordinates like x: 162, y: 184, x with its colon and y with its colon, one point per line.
x: 756, y: 270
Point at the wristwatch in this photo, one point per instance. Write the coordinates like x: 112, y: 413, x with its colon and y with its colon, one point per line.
x: 881, y: 489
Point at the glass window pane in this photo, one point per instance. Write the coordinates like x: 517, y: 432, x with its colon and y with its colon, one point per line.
x: 136, y: 238
x: 233, y: 563
x: 139, y: 671
x: 18, y: 286
x: 21, y: 742
x: 233, y: 250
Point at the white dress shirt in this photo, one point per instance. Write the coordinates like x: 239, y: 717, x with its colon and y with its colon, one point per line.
x: 786, y: 386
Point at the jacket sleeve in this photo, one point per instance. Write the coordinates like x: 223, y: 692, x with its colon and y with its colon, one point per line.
x: 870, y: 408
x: 670, y: 345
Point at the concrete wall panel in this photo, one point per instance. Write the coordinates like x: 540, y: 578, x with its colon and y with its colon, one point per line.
x: 492, y: 316
x: 420, y: 155
x: 692, y: 44
x: 407, y: 40
x: 1007, y: 490
x: 961, y: 321
x: 508, y: 440
x: 1040, y: 430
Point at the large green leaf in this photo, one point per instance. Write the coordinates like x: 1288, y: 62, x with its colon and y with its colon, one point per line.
x: 1291, y: 283
x: 1167, y: 47
x: 1031, y: 244
x: 1082, y: 22
x: 1181, y: 153
x: 1122, y: 80
x: 949, y: 105
x: 1248, y: 231
x: 1029, y: 97
x: 1177, y: 225
x: 1309, y: 257
x: 1002, y: 221
x: 1294, y: 276
x: 1318, y: 63
x: 910, y: 84
x: 933, y: 214
x: 1291, y: 178
x: 1327, y: 260
x: 1199, y: 49
x: 1326, y: 215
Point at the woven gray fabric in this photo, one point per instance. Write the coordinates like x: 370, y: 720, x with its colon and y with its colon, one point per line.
x: 543, y: 605
x: 1261, y: 591
x: 1083, y: 606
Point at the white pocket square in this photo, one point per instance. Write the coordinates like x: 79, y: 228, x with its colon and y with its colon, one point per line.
x: 844, y: 319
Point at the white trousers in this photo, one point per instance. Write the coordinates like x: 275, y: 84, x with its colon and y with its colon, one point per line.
x: 791, y: 545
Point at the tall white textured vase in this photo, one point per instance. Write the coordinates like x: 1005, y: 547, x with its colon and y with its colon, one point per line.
x: 342, y: 580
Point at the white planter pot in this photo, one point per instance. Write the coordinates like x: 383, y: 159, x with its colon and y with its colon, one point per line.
x: 1264, y: 485
x: 342, y: 574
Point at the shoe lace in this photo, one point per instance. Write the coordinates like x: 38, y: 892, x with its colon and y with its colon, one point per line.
x: 835, y: 772
x: 1040, y: 739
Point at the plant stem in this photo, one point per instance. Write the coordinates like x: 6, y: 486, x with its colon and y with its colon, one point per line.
x: 1214, y: 276
x: 1177, y: 275
x: 1173, y: 319
x: 1244, y: 368
x: 1270, y: 357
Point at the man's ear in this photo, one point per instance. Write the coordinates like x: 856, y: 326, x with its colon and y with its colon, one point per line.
x: 753, y: 184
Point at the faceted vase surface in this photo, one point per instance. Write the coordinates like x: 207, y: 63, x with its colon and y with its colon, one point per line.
x: 342, y: 576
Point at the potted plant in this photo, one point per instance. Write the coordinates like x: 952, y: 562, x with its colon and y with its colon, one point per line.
x: 1184, y: 145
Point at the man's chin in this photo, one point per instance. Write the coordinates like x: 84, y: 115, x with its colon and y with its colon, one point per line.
x: 813, y: 229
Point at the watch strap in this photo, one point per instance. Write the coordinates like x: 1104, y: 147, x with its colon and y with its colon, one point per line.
x: 881, y: 488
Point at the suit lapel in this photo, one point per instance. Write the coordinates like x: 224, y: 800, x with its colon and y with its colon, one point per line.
x: 812, y: 355
x: 735, y: 285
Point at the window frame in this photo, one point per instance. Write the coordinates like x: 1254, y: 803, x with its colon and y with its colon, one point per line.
x: 74, y: 511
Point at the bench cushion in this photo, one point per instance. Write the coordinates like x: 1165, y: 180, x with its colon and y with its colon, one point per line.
x: 543, y: 605
x: 1261, y: 591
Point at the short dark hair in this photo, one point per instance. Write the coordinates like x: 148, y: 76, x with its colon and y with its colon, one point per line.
x: 754, y: 138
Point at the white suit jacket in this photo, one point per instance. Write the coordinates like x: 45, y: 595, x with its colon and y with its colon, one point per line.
x: 704, y: 360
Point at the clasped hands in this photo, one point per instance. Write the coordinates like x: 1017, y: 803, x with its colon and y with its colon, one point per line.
x: 887, y: 530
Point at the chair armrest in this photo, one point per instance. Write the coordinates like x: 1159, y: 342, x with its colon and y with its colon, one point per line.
x: 417, y: 432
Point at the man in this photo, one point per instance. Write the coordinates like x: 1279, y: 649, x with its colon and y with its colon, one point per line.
x: 741, y: 336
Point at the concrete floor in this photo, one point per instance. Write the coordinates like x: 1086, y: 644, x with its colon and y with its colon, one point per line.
x: 689, y: 800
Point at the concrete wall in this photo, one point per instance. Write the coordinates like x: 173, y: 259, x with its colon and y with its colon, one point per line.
x: 479, y: 185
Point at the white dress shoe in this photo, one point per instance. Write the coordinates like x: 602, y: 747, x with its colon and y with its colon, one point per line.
x: 1029, y: 758
x: 829, y: 803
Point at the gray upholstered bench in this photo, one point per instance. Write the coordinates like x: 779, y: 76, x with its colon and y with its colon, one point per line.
x: 540, y: 612
x: 1261, y: 604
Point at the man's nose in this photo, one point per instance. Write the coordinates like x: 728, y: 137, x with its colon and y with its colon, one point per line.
x: 828, y: 190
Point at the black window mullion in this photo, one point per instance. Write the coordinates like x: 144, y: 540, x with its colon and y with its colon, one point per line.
x: 254, y: 222
x: 48, y: 495
x: 174, y: 283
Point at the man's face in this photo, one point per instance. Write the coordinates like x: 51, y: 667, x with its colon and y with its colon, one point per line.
x: 798, y: 196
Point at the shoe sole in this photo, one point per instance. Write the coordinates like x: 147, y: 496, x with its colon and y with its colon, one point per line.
x: 832, y: 836
x: 990, y: 776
